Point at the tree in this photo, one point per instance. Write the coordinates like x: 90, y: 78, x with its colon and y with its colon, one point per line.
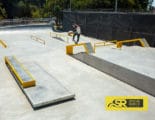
x: 2, y: 11
x: 9, y: 6
x: 48, y: 8
x: 130, y: 5
x: 54, y: 8
x: 22, y: 9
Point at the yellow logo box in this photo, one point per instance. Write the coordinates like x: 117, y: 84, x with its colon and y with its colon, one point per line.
x: 126, y: 103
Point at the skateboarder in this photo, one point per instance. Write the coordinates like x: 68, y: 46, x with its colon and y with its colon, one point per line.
x: 76, y: 32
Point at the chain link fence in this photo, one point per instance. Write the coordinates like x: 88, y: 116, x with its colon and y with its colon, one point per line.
x: 112, y: 25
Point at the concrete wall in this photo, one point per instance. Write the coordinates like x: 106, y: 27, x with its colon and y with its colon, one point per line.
x: 17, y: 27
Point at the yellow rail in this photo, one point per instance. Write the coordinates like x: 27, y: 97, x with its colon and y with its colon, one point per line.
x: 3, y: 43
x: 104, y: 43
x: 59, y: 35
x: 28, y: 83
x: 70, y: 33
x: 119, y: 43
x: 33, y: 37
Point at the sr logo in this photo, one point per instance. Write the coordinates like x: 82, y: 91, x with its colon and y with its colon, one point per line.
x: 118, y: 103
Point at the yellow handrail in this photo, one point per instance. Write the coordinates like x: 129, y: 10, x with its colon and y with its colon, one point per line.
x: 104, y: 43
x: 38, y: 39
x: 119, y: 43
x: 59, y: 35
x: 3, y: 43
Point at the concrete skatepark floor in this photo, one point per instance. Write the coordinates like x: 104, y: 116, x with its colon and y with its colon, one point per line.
x: 89, y: 85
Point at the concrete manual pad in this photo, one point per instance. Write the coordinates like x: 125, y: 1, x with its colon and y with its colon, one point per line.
x: 138, y: 80
x: 48, y: 90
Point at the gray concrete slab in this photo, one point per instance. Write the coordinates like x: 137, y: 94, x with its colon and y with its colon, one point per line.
x: 48, y: 90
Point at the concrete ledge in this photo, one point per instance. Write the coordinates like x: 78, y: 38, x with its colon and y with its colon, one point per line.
x: 48, y: 89
x: 140, y: 81
x: 87, y: 46
x: 22, y: 74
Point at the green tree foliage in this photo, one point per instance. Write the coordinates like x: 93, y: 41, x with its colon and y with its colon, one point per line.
x: 2, y: 11
x: 8, y: 5
x: 23, y: 9
x: 53, y: 7
x: 92, y: 4
x: 130, y: 5
x: 48, y: 8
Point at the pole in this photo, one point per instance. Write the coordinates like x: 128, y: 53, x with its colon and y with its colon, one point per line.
x: 116, y: 5
x: 70, y: 5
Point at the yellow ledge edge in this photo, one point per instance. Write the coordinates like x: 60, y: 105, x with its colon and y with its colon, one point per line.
x: 29, y: 83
